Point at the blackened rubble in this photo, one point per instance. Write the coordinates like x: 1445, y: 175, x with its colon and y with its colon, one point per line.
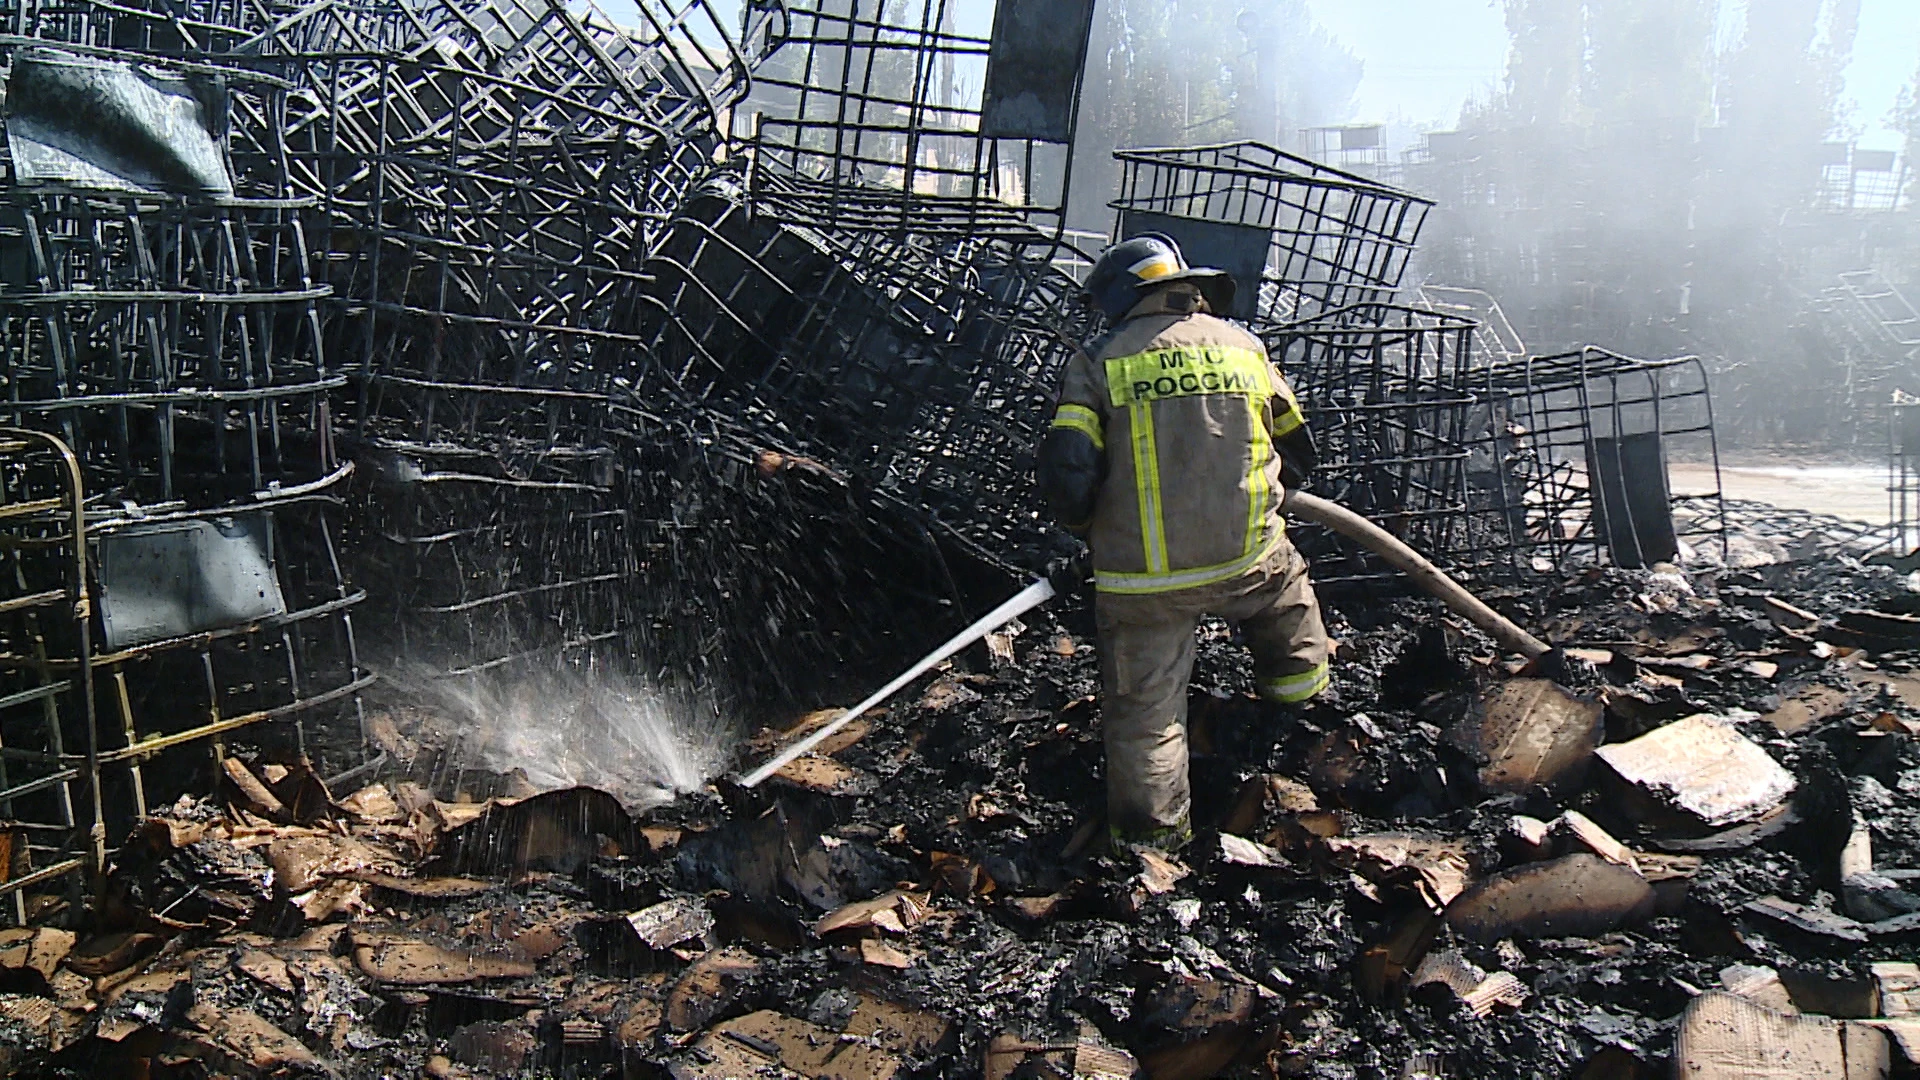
x: 479, y: 373
x: 925, y: 898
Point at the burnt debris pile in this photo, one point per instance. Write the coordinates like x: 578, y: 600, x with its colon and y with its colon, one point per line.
x: 1688, y: 845
x: 417, y: 410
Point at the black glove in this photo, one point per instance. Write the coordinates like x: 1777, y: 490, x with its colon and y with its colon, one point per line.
x: 1071, y: 574
x: 1299, y: 456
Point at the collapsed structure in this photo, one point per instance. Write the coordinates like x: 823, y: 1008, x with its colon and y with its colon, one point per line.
x: 486, y: 339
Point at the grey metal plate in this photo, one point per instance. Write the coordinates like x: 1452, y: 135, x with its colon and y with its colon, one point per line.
x: 183, y: 577
x: 1240, y: 250
x: 1033, y: 69
x: 104, y: 124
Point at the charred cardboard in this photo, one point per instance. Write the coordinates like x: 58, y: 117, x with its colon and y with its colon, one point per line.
x: 1574, y: 896
x: 1724, y: 1037
x: 1531, y: 734
x: 1702, y: 767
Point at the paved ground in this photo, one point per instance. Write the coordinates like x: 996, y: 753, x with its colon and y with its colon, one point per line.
x: 1855, y: 491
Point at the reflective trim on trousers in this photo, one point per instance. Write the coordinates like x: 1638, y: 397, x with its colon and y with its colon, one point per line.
x: 1294, y: 689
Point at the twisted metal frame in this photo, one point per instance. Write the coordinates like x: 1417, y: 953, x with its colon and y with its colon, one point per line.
x: 1383, y: 387
x: 1551, y: 421
x: 1336, y: 238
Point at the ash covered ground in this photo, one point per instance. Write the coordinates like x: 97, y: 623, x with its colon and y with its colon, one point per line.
x: 1382, y: 887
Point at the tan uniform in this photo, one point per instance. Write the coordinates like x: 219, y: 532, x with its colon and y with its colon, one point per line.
x: 1187, y: 522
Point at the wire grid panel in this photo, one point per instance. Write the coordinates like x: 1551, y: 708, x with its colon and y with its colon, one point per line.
x: 173, y: 340
x: 46, y: 741
x: 921, y: 367
x: 1576, y: 448
x: 174, y: 345
x: 928, y: 98
x: 1903, y: 471
x: 1383, y: 388
x: 1333, y: 238
x: 481, y: 557
x: 764, y: 575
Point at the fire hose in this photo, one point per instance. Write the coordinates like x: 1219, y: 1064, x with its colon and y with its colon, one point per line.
x: 1428, y: 577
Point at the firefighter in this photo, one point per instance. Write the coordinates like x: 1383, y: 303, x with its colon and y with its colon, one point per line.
x: 1170, y: 445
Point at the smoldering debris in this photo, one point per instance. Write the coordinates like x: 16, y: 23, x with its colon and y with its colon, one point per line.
x: 646, y: 386
x: 928, y: 893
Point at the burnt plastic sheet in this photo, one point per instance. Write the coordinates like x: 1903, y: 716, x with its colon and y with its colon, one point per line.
x: 1033, y: 71
x: 174, y: 578
x: 1240, y: 250
x: 1632, y: 508
x: 106, y: 124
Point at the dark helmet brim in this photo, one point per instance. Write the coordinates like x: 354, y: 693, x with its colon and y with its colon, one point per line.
x: 1216, y: 285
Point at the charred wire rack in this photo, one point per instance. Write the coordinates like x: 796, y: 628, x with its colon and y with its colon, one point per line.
x: 972, y: 105
x: 1903, y: 472
x: 918, y: 365
x: 47, y: 759
x: 1570, y: 464
x: 1315, y: 239
x: 1384, y: 389
x: 160, y: 314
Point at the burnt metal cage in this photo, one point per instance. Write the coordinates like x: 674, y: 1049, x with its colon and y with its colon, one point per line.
x: 161, y: 314
x: 1571, y: 465
x: 1383, y: 388
x: 46, y: 723
x: 1300, y: 238
x: 920, y: 366
x: 973, y: 104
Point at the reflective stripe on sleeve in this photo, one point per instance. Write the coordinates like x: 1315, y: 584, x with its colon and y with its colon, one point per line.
x: 1294, y: 689
x: 1259, y: 454
x: 1083, y: 420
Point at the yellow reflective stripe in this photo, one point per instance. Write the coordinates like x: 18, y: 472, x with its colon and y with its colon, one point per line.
x: 1260, y: 453
x: 1084, y: 420
x: 1146, y: 483
x: 1287, y: 423
x: 1187, y: 371
x: 1134, y: 584
x: 1297, y: 688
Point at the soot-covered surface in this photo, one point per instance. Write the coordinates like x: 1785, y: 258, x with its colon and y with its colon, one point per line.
x: 931, y: 896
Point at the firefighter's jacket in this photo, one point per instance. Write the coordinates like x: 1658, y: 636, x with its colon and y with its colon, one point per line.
x: 1162, y: 451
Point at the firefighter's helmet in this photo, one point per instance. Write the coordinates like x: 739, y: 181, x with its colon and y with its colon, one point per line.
x: 1123, y: 273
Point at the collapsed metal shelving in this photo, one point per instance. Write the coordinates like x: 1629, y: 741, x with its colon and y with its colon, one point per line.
x: 1314, y: 238
x: 160, y: 315
x: 1571, y: 464
x: 1384, y: 388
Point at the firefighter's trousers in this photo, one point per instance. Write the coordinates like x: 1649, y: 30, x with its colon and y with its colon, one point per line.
x: 1146, y: 657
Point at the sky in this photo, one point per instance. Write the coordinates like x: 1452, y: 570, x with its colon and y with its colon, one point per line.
x: 1425, y: 58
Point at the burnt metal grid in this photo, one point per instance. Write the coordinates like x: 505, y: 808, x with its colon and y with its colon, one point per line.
x: 1903, y: 471
x: 485, y: 179
x: 919, y: 99
x: 920, y: 366
x: 1570, y: 464
x: 174, y: 342
x: 756, y: 569
x: 1315, y: 238
x: 483, y: 556
x: 46, y: 717
x: 1383, y: 388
